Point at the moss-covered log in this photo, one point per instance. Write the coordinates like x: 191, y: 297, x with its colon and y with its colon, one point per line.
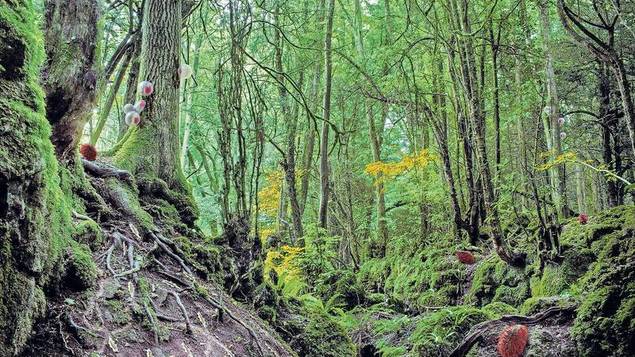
x: 34, y: 215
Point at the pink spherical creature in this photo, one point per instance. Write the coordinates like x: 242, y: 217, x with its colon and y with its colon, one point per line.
x: 140, y: 106
x: 146, y: 88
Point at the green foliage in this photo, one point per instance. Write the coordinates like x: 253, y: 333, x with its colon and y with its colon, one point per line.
x: 437, y: 333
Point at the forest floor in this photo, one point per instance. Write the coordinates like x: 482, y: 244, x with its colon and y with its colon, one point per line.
x: 140, y: 293
x: 143, y: 281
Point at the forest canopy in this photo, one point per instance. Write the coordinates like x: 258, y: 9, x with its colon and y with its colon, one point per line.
x: 317, y: 177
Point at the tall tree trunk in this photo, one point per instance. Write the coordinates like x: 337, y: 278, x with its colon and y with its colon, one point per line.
x: 477, y: 119
x: 34, y: 220
x: 608, y: 126
x: 373, y: 132
x: 494, y: 43
x: 71, y: 72
x: 153, y: 148
x: 552, y: 128
x: 309, y: 137
x: 291, y: 120
x: 185, y: 145
x: 324, y: 139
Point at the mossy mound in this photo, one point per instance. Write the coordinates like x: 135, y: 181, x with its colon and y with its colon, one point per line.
x: 308, y: 328
x: 496, y: 281
x: 605, y: 323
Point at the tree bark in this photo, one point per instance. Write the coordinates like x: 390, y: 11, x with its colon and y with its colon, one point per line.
x: 153, y: 148
x: 71, y: 72
x: 552, y: 127
x: 188, y: 102
x: 34, y: 212
x: 324, y: 140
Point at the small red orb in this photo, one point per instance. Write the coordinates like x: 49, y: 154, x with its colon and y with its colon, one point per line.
x: 88, y: 152
x: 583, y: 218
x: 465, y: 257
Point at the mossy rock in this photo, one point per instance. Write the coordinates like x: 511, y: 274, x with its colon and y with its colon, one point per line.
x: 81, y: 271
x: 495, y: 280
x: 605, y: 323
x: 323, y: 336
x: 534, y: 305
x: 498, y: 309
x: 205, y: 255
x: 88, y: 232
x: 512, y: 295
x: 309, y: 331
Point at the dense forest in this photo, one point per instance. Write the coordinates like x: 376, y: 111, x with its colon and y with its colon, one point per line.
x: 317, y: 178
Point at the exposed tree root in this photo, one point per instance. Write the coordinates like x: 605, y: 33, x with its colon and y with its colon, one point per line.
x: 477, y: 331
x: 169, y: 252
x: 188, y: 324
x: 225, y: 311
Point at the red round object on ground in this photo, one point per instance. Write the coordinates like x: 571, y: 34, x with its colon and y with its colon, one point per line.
x: 465, y: 257
x: 583, y: 218
x: 513, y: 340
x: 88, y: 152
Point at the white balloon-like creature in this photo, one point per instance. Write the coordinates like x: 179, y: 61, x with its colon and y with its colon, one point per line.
x: 133, y: 118
x: 140, y: 106
x: 185, y: 71
x: 128, y: 108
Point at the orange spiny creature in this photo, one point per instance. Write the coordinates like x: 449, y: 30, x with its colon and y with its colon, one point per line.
x: 465, y: 257
x: 513, y: 340
x: 88, y: 152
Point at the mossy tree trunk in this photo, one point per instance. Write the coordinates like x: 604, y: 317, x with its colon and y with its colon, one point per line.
x: 152, y: 149
x: 34, y: 215
x: 71, y: 72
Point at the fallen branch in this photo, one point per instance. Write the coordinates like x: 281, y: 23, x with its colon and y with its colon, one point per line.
x: 101, y: 170
x: 478, y: 330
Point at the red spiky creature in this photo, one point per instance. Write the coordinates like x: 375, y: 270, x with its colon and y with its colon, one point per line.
x: 513, y: 340
x: 88, y: 152
x: 465, y: 257
x: 583, y: 218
